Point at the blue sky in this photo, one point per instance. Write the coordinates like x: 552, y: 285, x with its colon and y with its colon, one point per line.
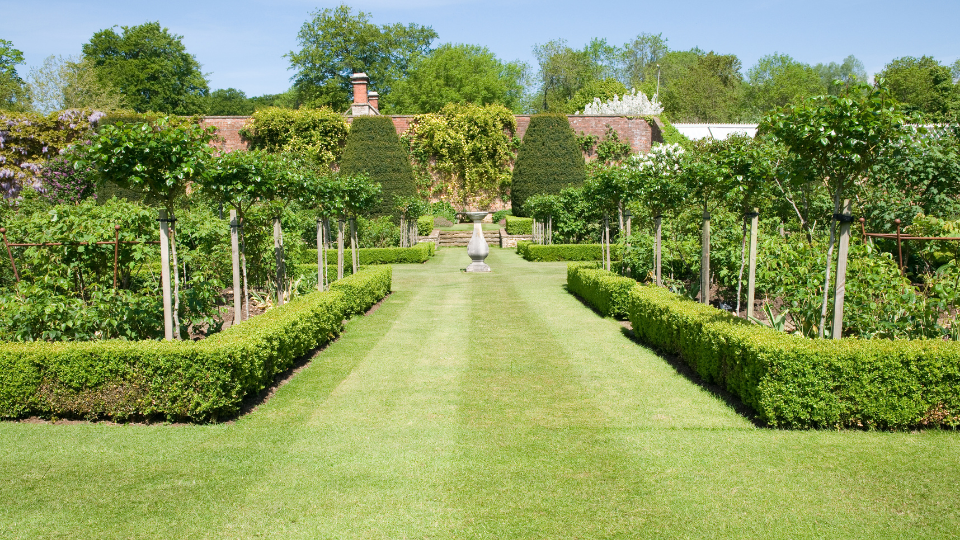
x: 241, y: 43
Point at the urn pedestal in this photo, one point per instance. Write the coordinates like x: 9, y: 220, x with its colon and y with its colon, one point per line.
x: 477, y: 249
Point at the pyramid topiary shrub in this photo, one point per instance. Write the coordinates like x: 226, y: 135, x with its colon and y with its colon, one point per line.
x: 549, y: 159
x: 373, y: 148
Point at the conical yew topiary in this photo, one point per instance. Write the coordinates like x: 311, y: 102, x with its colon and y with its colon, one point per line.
x: 549, y: 160
x: 373, y: 148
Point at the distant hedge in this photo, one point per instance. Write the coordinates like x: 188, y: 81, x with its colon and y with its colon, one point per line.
x: 794, y: 382
x: 373, y: 148
x: 563, y: 252
x: 549, y: 160
x: 519, y: 225
x: 607, y: 292
x: 424, y: 225
x: 178, y: 381
x: 416, y: 254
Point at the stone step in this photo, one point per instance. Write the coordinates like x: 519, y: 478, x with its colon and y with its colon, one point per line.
x: 462, y: 238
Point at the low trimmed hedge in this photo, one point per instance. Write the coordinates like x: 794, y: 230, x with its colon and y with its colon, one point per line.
x: 563, y: 252
x: 607, y: 292
x: 794, y: 382
x: 181, y: 380
x: 417, y: 254
x: 519, y: 225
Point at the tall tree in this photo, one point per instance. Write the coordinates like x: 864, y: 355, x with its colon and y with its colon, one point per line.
x: 700, y: 87
x: 643, y: 51
x: 777, y: 80
x: 563, y: 71
x: 924, y: 86
x: 336, y: 43
x: 150, y: 67
x: 229, y: 102
x: 71, y: 83
x: 457, y: 73
x: 13, y: 91
x: 849, y: 72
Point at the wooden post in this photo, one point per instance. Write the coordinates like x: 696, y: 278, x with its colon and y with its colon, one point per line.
x: 605, y: 244
x: 235, y: 247
x: 840, y: 288
x: 656, y: 250
x: 320, y: 269
x: 705, y: 260
x: 340, y: 225
x: 550, y: 230
x: 752, y: 272
x: 404, y: 233
x: 165, y: 276
x: 899, y: 247
x: 354, y: 244
x: 278, y: 254
x: 116, y: 253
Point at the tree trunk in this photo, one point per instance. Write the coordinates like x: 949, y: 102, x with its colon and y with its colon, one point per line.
x: 743, y: 262
x: 278, y: 254
x: 658, y: 276
x: 826, y: 273
x: 340, y: 226
x: 235, y: 259
x: 176, y: 277
x: 752, y: 275
x: 354, y: 244
x: 705, y: 259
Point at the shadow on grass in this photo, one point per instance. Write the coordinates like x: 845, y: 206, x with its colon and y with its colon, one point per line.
x: 685, y: 371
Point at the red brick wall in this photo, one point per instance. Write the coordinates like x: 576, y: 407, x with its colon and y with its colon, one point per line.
x: 636, y: 131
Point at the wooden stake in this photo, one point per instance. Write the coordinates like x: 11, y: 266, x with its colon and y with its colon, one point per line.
x: 278, y: 254
x: 340, y: 225
x: 657, y: 222
x: 705, y: 260
x: 354, y: 244
x: 841, y: 285
x: 165, y: 276
x: 235, y: 247
x: 752, y: 272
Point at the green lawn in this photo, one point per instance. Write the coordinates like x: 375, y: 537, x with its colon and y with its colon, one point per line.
x: 479, y: 406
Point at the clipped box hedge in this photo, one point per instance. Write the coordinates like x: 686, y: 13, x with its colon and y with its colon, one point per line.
x: 417, y: 254
x: 794, y: 382
x: 563, y: 252
x: 607, y: 292
x: 519, y: 225
x: 178, y: 380
x: 424, y: 225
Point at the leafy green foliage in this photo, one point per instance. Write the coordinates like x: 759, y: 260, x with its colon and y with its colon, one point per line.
x: 548, y: 160
x: 13, y: 91
x: 924, y: 86
x: 150, y: 67
x: 698, y: 87
x: 336, y: 43
x: 465, y: 151
x: 228, y: 102
x: 373, y: 149
x: 318, y: 134
x: 71, y: 83
x: 778, y: 80
x: 457, y: 73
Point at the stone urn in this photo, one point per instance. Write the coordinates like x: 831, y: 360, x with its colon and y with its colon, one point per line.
x: 477, y: 249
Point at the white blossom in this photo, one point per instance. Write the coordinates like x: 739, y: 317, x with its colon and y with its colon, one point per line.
x: 634, y: 103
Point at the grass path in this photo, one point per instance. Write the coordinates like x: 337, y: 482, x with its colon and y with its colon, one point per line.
x: 479, y: 406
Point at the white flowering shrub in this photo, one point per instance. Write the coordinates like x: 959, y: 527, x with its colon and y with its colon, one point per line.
x: 662, y: 160
x: 633, y: 103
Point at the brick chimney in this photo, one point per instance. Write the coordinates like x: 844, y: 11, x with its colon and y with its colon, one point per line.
x: 373, y: 99
x: 361, y: 103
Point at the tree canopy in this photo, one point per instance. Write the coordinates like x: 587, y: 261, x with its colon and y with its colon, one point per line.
x: 13, y: 92
x: 924, y: 86
x: 336, y: 43
x: 150, y: 67
x: 457, y: 73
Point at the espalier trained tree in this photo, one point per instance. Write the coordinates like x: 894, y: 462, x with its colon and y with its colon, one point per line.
x: 157, y: 159
x: 549, y: 160
x: 373, y: 150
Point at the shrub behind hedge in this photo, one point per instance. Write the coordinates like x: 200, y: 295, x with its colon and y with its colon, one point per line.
x: 563, y: 252
x: 519, y: 225
x: 373, y: 148
x: 424, y: 225
x: 183, y: 381
x: 795, y: 382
